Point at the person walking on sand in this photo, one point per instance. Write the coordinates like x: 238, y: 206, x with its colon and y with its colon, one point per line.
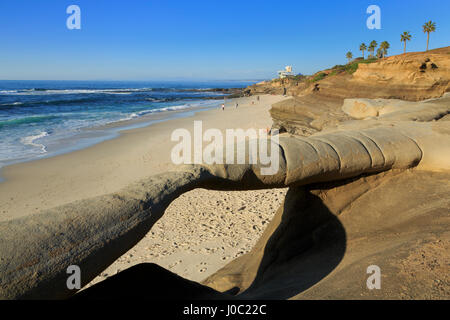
x: 257, y: 98
x: 236, y: 105
x: 223, y: 106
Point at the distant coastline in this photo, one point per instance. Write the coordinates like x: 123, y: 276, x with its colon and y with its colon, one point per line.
x: 40, y: 119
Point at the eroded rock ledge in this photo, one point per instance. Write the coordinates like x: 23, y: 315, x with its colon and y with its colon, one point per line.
x: 315, y: 105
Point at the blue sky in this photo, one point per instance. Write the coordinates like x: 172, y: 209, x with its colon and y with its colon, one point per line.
x: 168, y: 39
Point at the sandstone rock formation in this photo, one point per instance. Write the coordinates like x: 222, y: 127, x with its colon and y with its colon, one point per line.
x: 385, y: 109
x: 325, y: 236
x: 413, y: 76
x: 410, y: 77
x: 389, y: 167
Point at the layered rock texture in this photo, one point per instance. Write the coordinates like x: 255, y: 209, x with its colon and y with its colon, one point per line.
x: 369, y: 184
x: 412, y: 77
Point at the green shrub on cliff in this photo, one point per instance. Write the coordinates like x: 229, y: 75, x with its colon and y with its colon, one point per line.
x: 298, y: 77
x: 368, y: 61
x: 350, y: 67
x: 319, y: 77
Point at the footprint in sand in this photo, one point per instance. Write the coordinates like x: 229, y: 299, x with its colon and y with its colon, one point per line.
x: 175, y: 264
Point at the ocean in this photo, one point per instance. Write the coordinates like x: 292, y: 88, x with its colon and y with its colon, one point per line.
x: 44, y: 118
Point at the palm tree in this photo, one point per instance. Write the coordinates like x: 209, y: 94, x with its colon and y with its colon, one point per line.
x: 362, y: 48
x: 427, y: 28
x: 384, y: 46
x: 349, y: 56
x: 373, y: 46
x: 405, y: 36
x: 379, y: 53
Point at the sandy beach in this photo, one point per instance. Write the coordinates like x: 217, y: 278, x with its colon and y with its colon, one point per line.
x: 197, y: 234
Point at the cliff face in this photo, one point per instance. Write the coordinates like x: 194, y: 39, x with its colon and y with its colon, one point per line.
x: 315, y: 104
x: 293, y: 87
x: 413, y: 76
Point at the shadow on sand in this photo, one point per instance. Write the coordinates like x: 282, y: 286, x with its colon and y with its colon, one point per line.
x: 304, y: 246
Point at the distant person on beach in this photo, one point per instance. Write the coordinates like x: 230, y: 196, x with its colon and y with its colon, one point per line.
x: 223, y: 107
x: 284, y: 91
x: 236, y: 105
x: 257, y: 98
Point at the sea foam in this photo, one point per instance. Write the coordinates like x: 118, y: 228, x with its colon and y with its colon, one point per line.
x: 30, y: 141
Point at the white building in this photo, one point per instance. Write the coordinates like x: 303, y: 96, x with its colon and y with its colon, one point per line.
x: 286, y: 72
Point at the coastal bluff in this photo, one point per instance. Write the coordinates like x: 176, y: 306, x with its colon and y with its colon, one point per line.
x: 317, y: 100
